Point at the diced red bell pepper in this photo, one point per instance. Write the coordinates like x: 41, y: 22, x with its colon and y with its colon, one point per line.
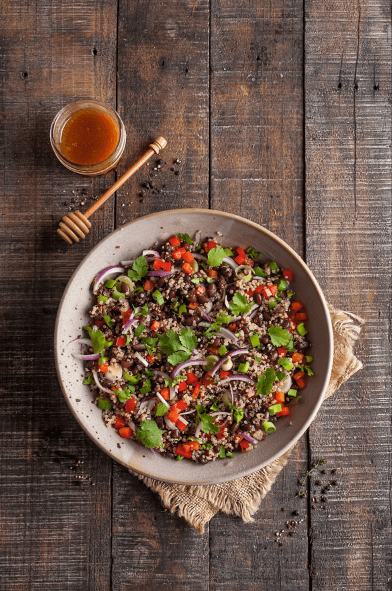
x: 193, y: 305
x: 273, y: 289
x: 224, y: 374
x: 213, y: 350
x: 166, y: 266
x: 296, y: 306
x: 173, y: 415
x: 180, y: 425
x: 125, y: 432
x: 181, y: 405
x: 191, y: 378
x: 279, y: 396
x: 259, y: 289
x: 175, y: 241
x: 200, y: 289
x: 121, y: 342
x: 120, y: 422
x: 126, y: 316
x: 244, y: 445
x: 250, y: 293
x: 241, y: 252
x: 233, y: 326
x: 165, y: 393
x: 104, y: 367
x: 301, y: 383
x: 99, y: 323
x: 281, y: 352
x: 297, y: 358
x: 196, y: 391
x: 285, y: 411
x: 130, y: 405
x: 240, y: 260
x: 185, y: 450
x: 209, y: 245
x: 148, y: 286
x: 207, y: 380
x: 265, y: 291
x: 212, y: 273
x: 151, y: 358
x: 182, y: 386
x: 288, y: 274
x: 221, y: 434
x: 157, y: 265
x: 300, y: 317
x: 188, y: 268
x: 178, y: 254
x: 155, y: 325
x: 188, y: 257
x: 194, y: 445
x: 299, y: 375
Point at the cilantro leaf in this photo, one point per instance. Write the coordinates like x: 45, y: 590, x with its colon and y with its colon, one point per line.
x: 188, y: 338
x: 123, y: 395
x: 212, y: 330
x: 239, y: 304
x: 223, y: 317
x: 143, y: 311
x: 238, y: 414
x: 252, y: 253
x: 139, y: 269
x: 207, y: 424
x: 280, y: 337
x: 280, y: 375
x: 161, y: 409
x: 149, y: 434
x: 139, y: 330
x: 286, y: 363
x: 259, y: 272
x: 98, y: 341
x: 290, y: 346
x: 229, y: 253
x: 215, y: 406
x: 186, y: 238
x: 169, y: 342
x: 216, y: 256
x: 273, y: 266
x: 181, y: 309
x: 309, y: 370
x: 88, y: 379
x: 151, y: 344
x: 265, y: 382
x: 179, y: 357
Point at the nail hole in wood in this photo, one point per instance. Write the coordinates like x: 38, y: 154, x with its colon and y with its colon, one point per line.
x: 162, y: 64
x: 356, y: 86
x: 376, y: 87
x: 340, y: 85
x: 95, y: 51
x: 24, y: 74
x: 258, y: 58
x: 187, y: 70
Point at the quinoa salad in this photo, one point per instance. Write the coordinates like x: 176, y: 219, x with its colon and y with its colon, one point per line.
x: 195, y: 350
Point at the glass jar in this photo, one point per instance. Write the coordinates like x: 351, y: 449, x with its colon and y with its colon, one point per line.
x: 88, y: 137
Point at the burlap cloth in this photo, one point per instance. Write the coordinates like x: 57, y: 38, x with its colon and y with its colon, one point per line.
x: 241, y: 497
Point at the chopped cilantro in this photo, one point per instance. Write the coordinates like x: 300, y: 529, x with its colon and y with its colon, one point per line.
x: 181, y: 309
x: 280, y: 337
x: 179, y: 458
x: 272, y: 305
x: 230, y: 454
x: 139, y: 330
x: 178, y: 347
x: 98, y: 341
x: 290, y: 345
x: 216, y: 256
x: 309, y: 358
x: 273, y: 266
x: 239, y: 304
x: 147, y: 386
x: 131, y: 379
x: 207, y: 422
x: 215, y: 406
x: 309, y: 370
x: 197, y: 280
x: 151, y: 344
x: 143, y: 311
x: 108, y: 321
x: 123, y: 395
x: 186, y: 238
x: 290, y: 294
x: 104, y: 404
x: 161, y: 409
x: 258, y: 359
x: 238, y: 414
x: 229, y: 253
x: 88, y: 379
x: 149, y: 434
x: 265, y: 382
x: 259, y: 272
x: 252, y: 253
x: 194, y: 439
x: 280, y: 376
x: 223, y: 317
x: 139, y: 269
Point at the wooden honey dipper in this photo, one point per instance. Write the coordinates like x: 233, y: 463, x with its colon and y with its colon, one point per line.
x: 76, y: 225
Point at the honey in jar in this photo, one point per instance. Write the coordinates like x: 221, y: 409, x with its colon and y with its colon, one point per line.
x: 88, y: 137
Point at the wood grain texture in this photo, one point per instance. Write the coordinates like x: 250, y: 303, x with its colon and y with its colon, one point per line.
x: 348, y: 159
x: 162, y: 90
x: 55, y: 534
x: 257, y: 172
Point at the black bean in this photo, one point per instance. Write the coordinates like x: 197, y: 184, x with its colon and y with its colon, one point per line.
x: 125, y: 289
x: 116, y: 309
x: 257, y: 298
x: 246, y: 330
x: 266, y: 315
x: 196, y: 318
x: 247, y: 427
x: 286, y: 323
x: 169, y: 454
x: 99, y: 317
x: 192, y: 299
x: 265, y: 340
x: 161, y: 282
x: 172, y: 295
x: 227, y: 272
x: 242, y: 358
x: 94, y: 365
x: 159, y: 422
x: 259, y: 321
x: 168, y: 247
x: 190, y: 320
x: 216, y: 449
x: 203, y: 460
x: 202, y: 299
x: 134, y: 370
x: 211, y: 289
x: 303, y: 345
x: 127, y: 363
x: 233, y: 427
x: 273, y: 356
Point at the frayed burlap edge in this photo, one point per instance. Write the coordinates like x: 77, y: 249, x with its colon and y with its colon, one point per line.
x: 241, y: 497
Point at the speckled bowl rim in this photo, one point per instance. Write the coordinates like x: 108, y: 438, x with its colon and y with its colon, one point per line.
x: 241, y: 472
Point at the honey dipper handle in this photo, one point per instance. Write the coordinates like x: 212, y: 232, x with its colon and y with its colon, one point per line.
x: 155, y: 147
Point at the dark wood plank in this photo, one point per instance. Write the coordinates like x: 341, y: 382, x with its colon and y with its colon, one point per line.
x: 257, y: 172
x: 55, y: 534
x: 348, y: 201
x: 162, y: 90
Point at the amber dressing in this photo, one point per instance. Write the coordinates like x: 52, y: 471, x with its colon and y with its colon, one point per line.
x: 89, y: 137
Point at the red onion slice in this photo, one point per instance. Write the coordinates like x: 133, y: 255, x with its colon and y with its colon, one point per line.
x: 228, y: 335
x: 232, y: 394
x: 248, y: 438
x: 154, y: 253
x: 197, y: 238
x: 128, y: 325
x: 229, y: 261
x: 161, y: 398
x: 285, y: 387
x: 84, y: 341
x: 162, y: 374
x: 96, y: 380
x: 184, y: 420
x: 88, y: 357
x: 139, y: 347
x: 225, y: 357
x: 227, y: 303
x: 184, y: 364
x: 205, y: 314
x: 198, y: 429
x: 238, y: 377
x: 159, y: 273
x: 169, y: 424
x: 128, y: 263
x: 200, y: 257
x: 188, y: 412
x: 141, y: 359
x: 100, y: 278
x: 253, y: 309
x: 218, y: 412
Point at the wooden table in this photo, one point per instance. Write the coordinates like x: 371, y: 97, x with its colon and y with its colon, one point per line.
x: 279, y: 111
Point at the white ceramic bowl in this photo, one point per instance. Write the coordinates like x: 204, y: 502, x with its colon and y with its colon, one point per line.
x: 132, y: 239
